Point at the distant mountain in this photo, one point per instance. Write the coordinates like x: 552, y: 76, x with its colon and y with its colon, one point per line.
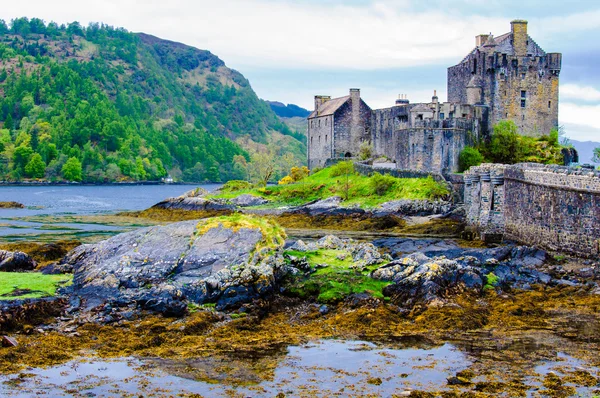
x: 99, y: 104
x: 585, y: 149
x: 288, y: 111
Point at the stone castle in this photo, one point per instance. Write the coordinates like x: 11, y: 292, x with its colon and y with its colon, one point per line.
x: 504, y: 78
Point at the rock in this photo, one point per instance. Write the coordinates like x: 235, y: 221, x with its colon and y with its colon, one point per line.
x: 16, y: 262
x: 195, y: 204
x: 11, y: 205
x: 414, y: 207
x: 195, y: 193
x: 327, y: 207
x: 247, y: 200
x: 432, y: 278
x: 402, y: 246
x: 57, y: 268
x: 9, y: 342
x: 162, y: 268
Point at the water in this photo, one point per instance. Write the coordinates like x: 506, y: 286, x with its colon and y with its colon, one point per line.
x: 44, y: 204
x: 320, y: 369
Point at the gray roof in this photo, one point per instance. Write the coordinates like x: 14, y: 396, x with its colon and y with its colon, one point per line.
x: 504, y: 46
x: 329, y: 107
x: 421, y: 108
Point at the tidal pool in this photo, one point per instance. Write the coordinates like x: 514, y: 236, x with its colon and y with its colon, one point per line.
x: 319, y: 369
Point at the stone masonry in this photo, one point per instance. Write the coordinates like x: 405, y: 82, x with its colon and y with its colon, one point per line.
x: 554, y: 207
x: 507, y: 77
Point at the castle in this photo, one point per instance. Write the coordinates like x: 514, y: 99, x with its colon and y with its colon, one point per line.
x: 504, y: 78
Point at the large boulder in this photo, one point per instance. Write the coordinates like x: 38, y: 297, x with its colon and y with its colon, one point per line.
x: 331, y: 206
x: 163, y: 268
x: 414, y: 207
x: 16, y: 262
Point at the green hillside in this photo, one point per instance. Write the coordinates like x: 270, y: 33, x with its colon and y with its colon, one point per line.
x: 102, y: 104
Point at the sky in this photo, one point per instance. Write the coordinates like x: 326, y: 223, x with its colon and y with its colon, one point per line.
x: 293, y: 50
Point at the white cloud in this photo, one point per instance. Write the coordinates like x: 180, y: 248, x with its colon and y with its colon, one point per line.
x: 580, y: 121
x: 581, y: 93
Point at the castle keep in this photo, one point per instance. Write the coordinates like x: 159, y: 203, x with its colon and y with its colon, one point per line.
x: 509, y: 77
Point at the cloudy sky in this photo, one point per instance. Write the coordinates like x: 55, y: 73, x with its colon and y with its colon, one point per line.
x: 292, y: 50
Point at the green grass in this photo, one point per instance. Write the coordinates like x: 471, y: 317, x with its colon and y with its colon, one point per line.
x: 492, y: 281
x: 360, y: 190
x: 335, y: 282
x: 34, y: 285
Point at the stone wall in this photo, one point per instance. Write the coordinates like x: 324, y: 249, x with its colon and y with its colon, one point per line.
x: 320, y: 141
x: 352, y: 127
x: 553, y: 207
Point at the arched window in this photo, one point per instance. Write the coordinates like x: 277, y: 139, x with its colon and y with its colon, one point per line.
x: 348, y: 155
x: 326, y: 138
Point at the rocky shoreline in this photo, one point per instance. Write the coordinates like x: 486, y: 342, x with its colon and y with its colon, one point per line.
x: 237, y: 283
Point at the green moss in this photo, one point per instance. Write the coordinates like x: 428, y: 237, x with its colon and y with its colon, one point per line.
x: 336, y: 280
x: 359, y: 190
x: 16, y: 285
x: 492, y: 281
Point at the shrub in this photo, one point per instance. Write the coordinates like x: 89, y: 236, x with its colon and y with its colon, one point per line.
x: 365, y: 151
x: 342, y: 168
x: 469, y: 157
x: 381, y: 184
x: 286, y: 180
x: 505, y: 146
x: 235, y: 185
x: 299, y: 173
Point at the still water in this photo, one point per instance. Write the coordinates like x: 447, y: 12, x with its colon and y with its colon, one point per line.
x: 45, y: 205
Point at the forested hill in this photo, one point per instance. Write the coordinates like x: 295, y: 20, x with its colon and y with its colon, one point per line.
x: 102, y: 104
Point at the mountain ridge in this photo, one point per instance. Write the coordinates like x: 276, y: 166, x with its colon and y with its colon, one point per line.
x: 126, y: 106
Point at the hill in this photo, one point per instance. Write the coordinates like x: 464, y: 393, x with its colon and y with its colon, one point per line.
x: 585, y: 149
x: 288, y: 111
x: 99, y: 104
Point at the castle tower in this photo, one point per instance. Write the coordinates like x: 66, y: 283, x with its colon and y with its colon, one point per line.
x: 513, y: 77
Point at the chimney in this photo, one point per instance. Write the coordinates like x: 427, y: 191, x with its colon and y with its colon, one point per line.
x: 355, y: 94
x: 320, y: 100
x: 434, y: 99
x: 355, y: 104
x: 518, y: 28
x: 480, y: 40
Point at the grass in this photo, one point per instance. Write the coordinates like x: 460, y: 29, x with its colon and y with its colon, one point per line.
x: 17, y: 285
x: 336, y: 281
x: 357, y: 189
x: 273, y: 234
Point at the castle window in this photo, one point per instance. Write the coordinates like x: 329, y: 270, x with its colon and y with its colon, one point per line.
x: 475, y: 65
x: 523, y: 117
x: 549, y: 104
x: 319, y: 139
x: 523, y: 103
x: 522, y: 75
x: 311, y: 140
x: 326, y: 138
x: 319, y: 122
x: 523, y: 94
x: 326, y: 121
x: 441, y: 116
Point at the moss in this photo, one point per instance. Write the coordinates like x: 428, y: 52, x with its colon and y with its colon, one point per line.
x: 492, y: 281
x: 16, y: 285
x: 273, y: 234
x: 335, y: 279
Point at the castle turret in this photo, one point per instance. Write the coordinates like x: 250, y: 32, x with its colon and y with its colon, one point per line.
x: 520, y: 39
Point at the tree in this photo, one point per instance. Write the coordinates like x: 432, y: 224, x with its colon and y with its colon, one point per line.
x: 505, y: 145
x: 596, y: 157
x: 262, y: 168
x: 21, y: 156
x: 365, y: 151
x: 71, y: 170
x: 36, y: 168
x: 469, y: 157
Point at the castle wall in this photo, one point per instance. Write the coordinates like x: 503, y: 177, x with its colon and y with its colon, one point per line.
x: 553, y: 207
x: 514, y: 77
x: 320, y: 140
x: 351, y: 128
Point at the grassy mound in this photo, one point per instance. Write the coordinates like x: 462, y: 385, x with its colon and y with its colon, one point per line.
x: 273, y: 234
x: 336, y: 280
x: 341, y: 180
x: 16, y: 285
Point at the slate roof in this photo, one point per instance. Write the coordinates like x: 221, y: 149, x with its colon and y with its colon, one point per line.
x: 504, y: 46
x: 421, y: 108
x: 329, y: 107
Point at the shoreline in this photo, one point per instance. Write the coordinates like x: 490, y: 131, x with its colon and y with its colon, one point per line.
x: 79, y: 184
